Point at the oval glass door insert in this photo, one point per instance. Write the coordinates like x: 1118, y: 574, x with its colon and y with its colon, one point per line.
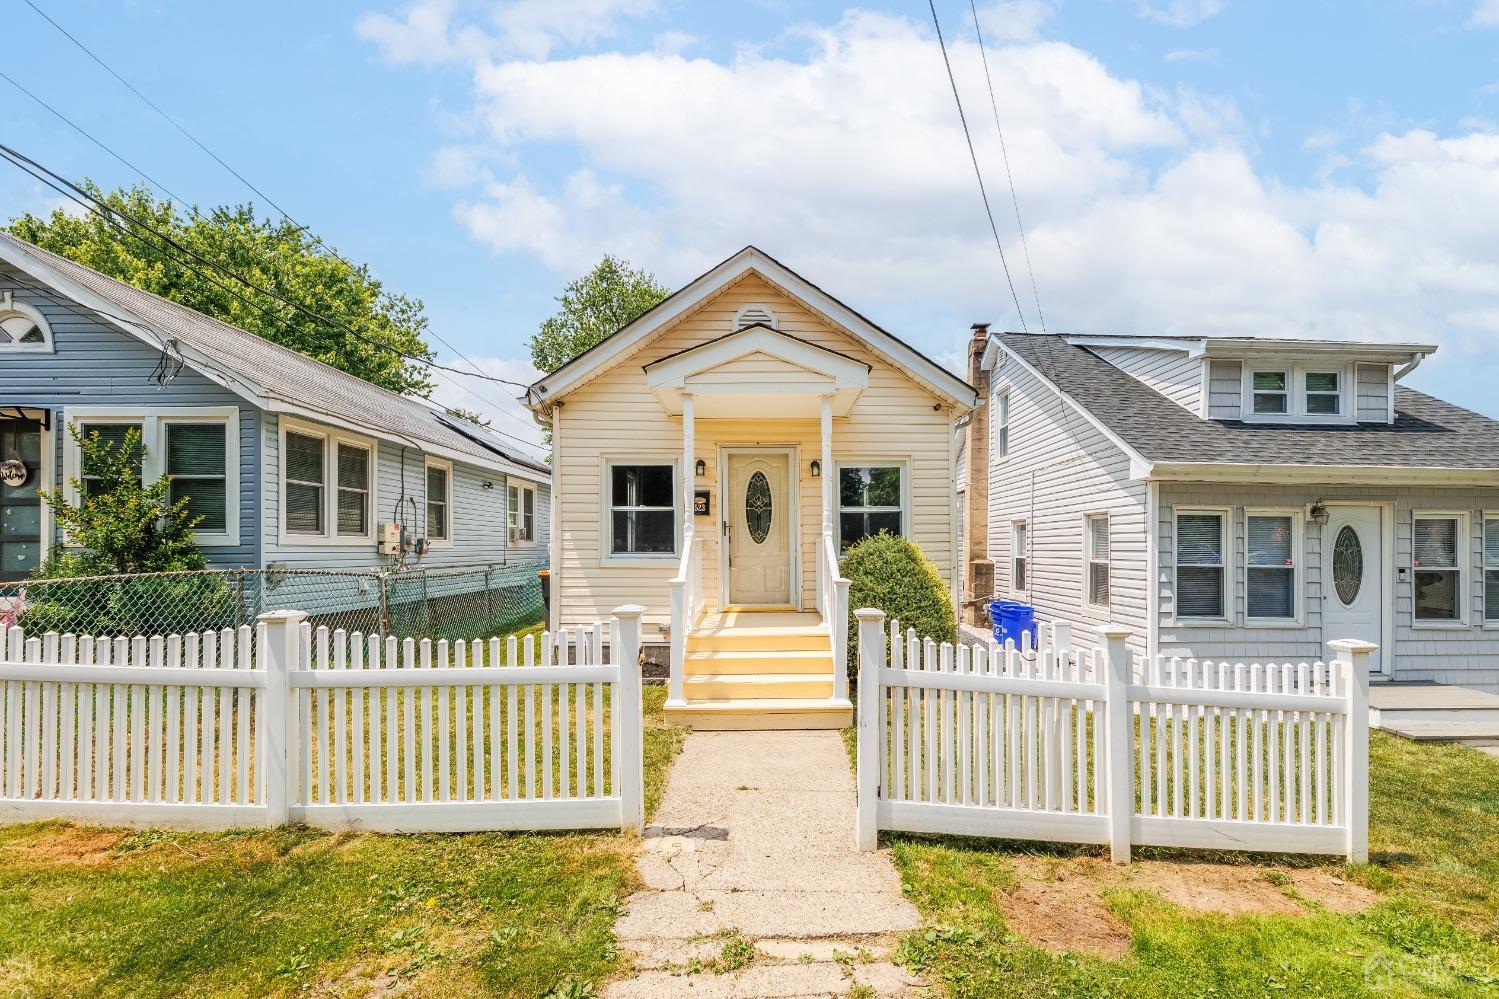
x: 1347, y: 565
x: 757, y: 507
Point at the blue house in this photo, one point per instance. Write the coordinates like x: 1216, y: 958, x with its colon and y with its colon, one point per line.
x: 290, y: 463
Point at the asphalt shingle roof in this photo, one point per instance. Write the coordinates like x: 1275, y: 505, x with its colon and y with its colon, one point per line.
x: 1427, y: 432
x: 288, y: 375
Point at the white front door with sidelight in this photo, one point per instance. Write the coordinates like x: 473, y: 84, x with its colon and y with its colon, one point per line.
x: 758, y: 520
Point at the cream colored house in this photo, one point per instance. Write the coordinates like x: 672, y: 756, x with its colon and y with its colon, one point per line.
x: 711, y: 459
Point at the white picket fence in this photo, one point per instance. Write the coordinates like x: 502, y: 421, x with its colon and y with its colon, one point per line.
x: 1042, y: 743
x: 280, y: 723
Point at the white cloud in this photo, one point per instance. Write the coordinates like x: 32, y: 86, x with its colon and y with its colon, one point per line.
x: 1180, y: 13
x: 1192, y: 55
x: 1485, y: 14
x: 1144, y: 208
x: 1014, y: 20
x: 432, y: 31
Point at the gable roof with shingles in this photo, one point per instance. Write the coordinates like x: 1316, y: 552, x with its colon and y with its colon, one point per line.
x: 263, y: 370
x: 1427, y: 432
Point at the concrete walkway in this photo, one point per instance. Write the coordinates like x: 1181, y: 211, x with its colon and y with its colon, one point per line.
x: 754, y: 841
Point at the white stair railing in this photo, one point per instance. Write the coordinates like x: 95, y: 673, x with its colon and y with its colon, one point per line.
x: 832, y: 601
x: 686, y: 608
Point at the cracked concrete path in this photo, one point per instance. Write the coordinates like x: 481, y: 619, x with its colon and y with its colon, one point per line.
x: 754, y: 841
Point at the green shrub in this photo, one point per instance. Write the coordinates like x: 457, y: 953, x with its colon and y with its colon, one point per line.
x: 890, y: 573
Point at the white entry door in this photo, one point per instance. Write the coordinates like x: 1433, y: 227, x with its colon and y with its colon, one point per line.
x: 1353, y: 575
x: 758, y: 515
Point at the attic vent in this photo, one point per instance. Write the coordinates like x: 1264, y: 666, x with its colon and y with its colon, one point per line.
x: 754, y: 314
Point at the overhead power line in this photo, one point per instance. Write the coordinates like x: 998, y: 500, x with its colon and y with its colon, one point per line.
x: 317, y: 240
x: 1004, y: 153
x: 953, y: 80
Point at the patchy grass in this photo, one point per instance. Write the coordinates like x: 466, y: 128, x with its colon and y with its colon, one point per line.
x: 296, y: 911
x: 1421, y: 919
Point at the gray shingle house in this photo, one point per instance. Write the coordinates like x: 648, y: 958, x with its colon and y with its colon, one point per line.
x: 290, y: 463
x: 1245, y: 499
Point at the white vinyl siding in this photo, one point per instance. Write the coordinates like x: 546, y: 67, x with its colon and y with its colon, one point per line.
x: 1225, y: 390
x: 1271, y: 571
x: 1176, y: 374
x: 1201, y: 565
x: 1373, y: 393
x: 1437, y: 567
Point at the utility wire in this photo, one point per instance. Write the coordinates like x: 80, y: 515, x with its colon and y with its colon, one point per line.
x: 317, y: 240
x: 108, y: 210
x: 976, y: 171
x: 91, y: 205
x: 994, y: 104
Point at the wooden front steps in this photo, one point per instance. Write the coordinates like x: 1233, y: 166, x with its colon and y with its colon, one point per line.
x: 759, y: 670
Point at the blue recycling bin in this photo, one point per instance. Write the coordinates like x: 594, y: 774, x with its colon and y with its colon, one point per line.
x: 1013, y: 619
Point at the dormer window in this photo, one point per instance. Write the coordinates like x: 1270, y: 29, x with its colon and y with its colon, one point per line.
x: 1324, y: 393
x: 22, y: 327
x: 1270, y: 392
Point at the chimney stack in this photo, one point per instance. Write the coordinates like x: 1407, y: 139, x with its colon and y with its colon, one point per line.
x: 979, y: 573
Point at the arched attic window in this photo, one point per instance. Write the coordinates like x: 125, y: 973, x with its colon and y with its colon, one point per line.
x: 754, y: 314
x: 22, y: 327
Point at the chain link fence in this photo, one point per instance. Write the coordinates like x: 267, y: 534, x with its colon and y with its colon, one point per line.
x: 467, y: 603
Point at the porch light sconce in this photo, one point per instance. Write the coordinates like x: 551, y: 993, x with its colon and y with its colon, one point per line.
x: 816, y: 468
x: 486, y: 484
x: 1319, y: 514
x: 701, y: 468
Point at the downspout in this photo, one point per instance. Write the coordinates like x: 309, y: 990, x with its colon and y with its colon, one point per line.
x: 554, y: 538
x: 959, y: 425
x: 1152, y: 569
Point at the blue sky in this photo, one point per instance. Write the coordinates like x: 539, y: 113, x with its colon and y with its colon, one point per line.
x: 1211, y: 166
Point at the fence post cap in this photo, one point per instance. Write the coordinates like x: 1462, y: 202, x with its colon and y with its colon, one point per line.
x: 628, y: 610
x: 279, y: 616
x: 1351, y: 645
x: 1115, y: 631
x: 869, y: 614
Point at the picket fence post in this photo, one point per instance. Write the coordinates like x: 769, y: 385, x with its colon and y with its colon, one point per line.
x: 279, y: 736
x: 1351, y: 662
x: 1119, y: 735
x: 631, y: 773
x: 871, y: 704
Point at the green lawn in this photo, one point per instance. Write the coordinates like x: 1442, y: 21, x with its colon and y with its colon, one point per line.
x: 1421, y: 919
x: 98, y: 912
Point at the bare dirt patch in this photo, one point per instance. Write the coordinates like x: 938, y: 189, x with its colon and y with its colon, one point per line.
x: 1332, y: 892
x: 1057, y: 907
x: 71, y: 845
x: 1222, y: 888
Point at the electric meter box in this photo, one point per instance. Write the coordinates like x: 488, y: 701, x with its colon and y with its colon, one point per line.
x: 390, y: 539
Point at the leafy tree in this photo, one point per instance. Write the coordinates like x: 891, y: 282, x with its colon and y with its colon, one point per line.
x: 458, y: 412
x: 274, y: 255
x: 594, y: 306
x: 119, y: 525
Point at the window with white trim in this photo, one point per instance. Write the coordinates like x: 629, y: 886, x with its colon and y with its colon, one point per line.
x: 1201, y: 576
x: 1437, y: 542
x: 1019, y: 556
x: 642, y: 509
x: 1491, y: 568
x: 1002, y: 426
x: 871, y: 500
x: 1324, y: 393
x: 1270, y: 572
x: 439, y: 501
x: 22, y: 327
x: 327, y: 485
x: 197, y: 448
x: 521, y: 512
x: 1096, y: 539
x: 1271, y: 392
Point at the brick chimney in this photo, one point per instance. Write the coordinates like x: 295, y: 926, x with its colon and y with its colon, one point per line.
x: 979, y: 574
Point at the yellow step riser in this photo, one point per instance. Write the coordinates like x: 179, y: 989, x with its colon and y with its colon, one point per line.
x: 728, y: 688
x: 727, y: 663
x: 758, y: 643
x: 759, y: 720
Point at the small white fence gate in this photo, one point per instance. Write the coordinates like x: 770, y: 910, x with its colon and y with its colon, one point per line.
x: 1097, y: 748
x: 280, y: 723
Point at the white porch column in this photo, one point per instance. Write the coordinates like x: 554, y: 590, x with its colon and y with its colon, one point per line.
x: 683, y: 587
x: 828, y: 472
x: 689, y: 452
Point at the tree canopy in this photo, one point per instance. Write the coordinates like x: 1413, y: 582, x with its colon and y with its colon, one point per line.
x: 273, y: 255
x: 592, y: 307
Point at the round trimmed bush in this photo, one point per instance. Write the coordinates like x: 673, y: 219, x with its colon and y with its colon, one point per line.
x: 891, y: 574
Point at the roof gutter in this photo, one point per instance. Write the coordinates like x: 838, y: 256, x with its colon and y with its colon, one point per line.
x: 1327, y: 475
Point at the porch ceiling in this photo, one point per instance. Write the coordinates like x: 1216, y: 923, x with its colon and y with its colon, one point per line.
x: 758, y: 373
